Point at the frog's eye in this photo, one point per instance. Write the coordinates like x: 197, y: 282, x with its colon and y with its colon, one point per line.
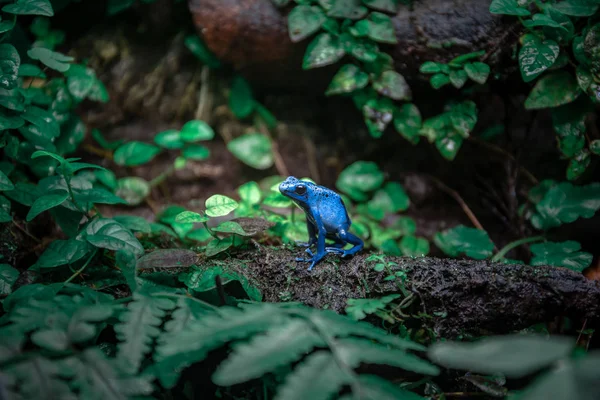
x: 300, y: 189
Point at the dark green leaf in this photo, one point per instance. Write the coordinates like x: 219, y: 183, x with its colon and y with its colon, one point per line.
x: 439, y: 80
x: 133, y: 223
x: 553, y: 90
x: 9, y: 66
x: 536, y: 56
x: 169, y: 139
x: 253, y: 149
x: 133, y: 189
x: 475, y: 243
x: 542, y: 20
x: 73, y: 133
x: 448, y: 146
x: 43, y: 120
x: 478, y: 71
x: 46, y: 202
x: 241, y: 99
x: 512, y: 355
x: 348, y: 79
x: 5, y: 215
x: 561, y: 254
x: 378, y: 27
x: 11, y: 99
x: 31, y: 70
x: 51, y: 59
x: 51, y: 339
x: 62, y: 252
x: 346, y: 9
x: 577, y: 8
x: 413, y: 246
x: 108, y: 234
x: 303, y: 21
x: 458, y: 78
x: 430, y: 67
x: 408, y: 122
x: 390, y: 6
x: 595, y: 147
x: 97, y: 195
x: 230, y: 227
x: 30, y: 7
x: 217, y: 246
x: 393, y: 85
x: 196, y: 152
x: 135, y: 153
x: 199, y: 49
x: 360, y: 178
x: 325, y: 49
x: 569, y: 124
x: 508, y: 7
x: 5, y: 183
x: 195, y: 131
x: 8, y: 276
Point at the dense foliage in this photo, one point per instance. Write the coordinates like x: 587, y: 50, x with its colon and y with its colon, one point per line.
x: 120, y: 334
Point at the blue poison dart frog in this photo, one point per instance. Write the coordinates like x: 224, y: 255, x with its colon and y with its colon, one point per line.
x: 326, y: 217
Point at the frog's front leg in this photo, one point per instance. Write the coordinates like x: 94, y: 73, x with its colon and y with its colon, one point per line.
x: 320, y: 245
x: 312, y: 237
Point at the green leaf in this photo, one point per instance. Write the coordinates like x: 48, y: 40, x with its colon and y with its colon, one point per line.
x: 378, y: 27
x: 360, y: 178
x: 303, y: 21
x: 199, y: 49
x: 413, y: 246
x: 51, y: 59
x: 195, y: 131
x: 132, y: 189
x: 569, y: 124
x: 30, y: 7
x: 250, y: 193
x: 5, y: 215
x: 138, y: 328
x: 135, y: 153
x: 391, y: 198
x: 253, y: 149
x: 325, y: 49
x: 475, y: 243
x: 72, y: 135
x: 5, y: 183
x: 578, y: 164
x: 390, y: 6
x: 377, y: 114
x: 408, y: 122
x: 26, y: 70
x: 46, y: 202
x: 80, y: 81
x: 449, y: 146
x: 393, y: 85
x: 348, y: 79
x: 169, y: 139
x: 106, y: 233
x: 62, y: 252
x: 561, y: 254
x: 513, y: 355
x: 217, y: 246
x: 542, y: 20
x: 359, y: 308
x: 280, y: 346
x: 9, y: 66
x: 478, y: 72
x: 346, y: 9
x: 51, y: 339
x: 536, y: 56
x: 167, y: 258
x: 231, y: 227
x: 553, y: 90
x: 565, y: 203
x: 43, y: 120
x: 133, y: 222
x: 8, y: 276
x: 97, y: 195
x: 508, y: 7
x: 439, y: 80
x: 430, y: 67
x: 190, y: 217
x: 218, y: 205
x: 196, y: 152
x: 577, y: 8
x: 595, y: 146
x: 458, y: 78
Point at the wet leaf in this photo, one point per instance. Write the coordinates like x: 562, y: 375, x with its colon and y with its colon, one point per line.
x: 63, y: 252
x: 561, y: 254
x: 439, y: 80
x: 475, y: 243
x: 324, y: 50
x: 195, y: 131
x: 360, y: 178
x: 218, y: 205
x: 478, y: 72
x: 348, y: 79
x: 392, y: 85
x: 8, y: 276
x: 253, y: 149
x: 458, y: 78
x: 350, y: 9
x: 190, y: 217
x: 303, y: 21
x: 553, y: 90
x: 46, y: 202
x: 378, y: 27
x: 508, y: 7
x: 169, y: 139
x: 135, y: 153
x: 30, y: 7
x: 536, y: 56
x: 577, y: 8
x: 9, y: 66
x: 578, y: 164
x: 542, y: 20
x: 408, y: 122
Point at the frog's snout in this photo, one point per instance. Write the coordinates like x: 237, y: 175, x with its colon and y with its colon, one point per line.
x: 285, y: 186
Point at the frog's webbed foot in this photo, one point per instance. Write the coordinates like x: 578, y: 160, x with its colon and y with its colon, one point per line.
x: 334, y: 250
x: 305, y: 259
x: 313, y: 260
x: 306, y: 244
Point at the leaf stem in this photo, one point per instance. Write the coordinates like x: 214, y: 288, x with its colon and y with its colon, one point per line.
x: 500, y: 255
x: 160, y: 178
x: 80, y: 270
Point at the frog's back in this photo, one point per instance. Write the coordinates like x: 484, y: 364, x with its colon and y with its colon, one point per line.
x: 331, y: 208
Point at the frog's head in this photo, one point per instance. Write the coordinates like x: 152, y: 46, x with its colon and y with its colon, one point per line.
x: 295, y: 189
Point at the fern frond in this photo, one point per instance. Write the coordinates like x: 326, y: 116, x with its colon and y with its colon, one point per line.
x: 317, y: 378
x: 97, y: 378
x: 372, y: 387
x: 39, y: 378
x: 353, y: 352
x: 264, y: 353
x: 182, y: 348
x: 138, y: 327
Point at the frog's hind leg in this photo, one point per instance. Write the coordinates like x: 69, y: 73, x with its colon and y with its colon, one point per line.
x: 344, y: 238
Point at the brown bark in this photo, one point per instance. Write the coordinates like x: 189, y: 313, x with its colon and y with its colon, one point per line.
x: 252, y: 36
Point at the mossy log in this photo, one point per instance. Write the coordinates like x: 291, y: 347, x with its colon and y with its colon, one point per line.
x: 461, y: 297
x: 252, y: 36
